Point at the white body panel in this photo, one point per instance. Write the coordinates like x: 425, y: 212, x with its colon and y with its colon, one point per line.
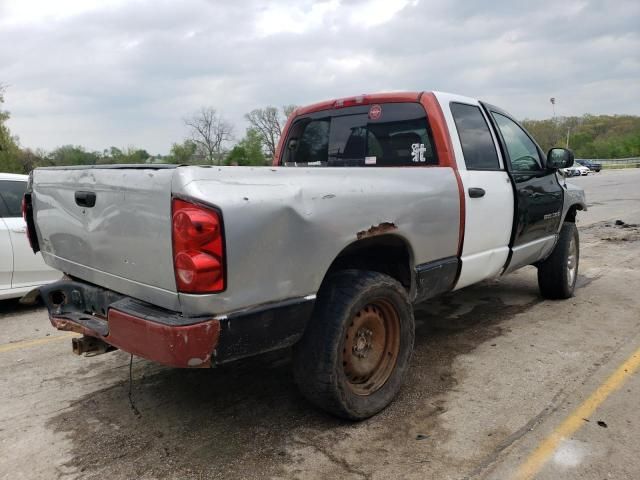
x: 29, y: 269
x: 488, y: 223
x: 6, y: 257
x: 488, y: 219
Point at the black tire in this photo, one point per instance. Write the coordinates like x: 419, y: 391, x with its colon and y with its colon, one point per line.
x: 555, y: 277
x: 327, y: 371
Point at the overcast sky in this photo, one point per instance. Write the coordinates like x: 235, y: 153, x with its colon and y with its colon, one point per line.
x: 124, y: 73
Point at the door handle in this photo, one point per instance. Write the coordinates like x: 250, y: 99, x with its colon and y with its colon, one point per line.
x: 475, y: 192
x: 85, y: 199
x: 19, y: 230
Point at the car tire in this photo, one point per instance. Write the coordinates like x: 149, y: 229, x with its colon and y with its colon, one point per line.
x: 355, y: 351
x: 557, y: 274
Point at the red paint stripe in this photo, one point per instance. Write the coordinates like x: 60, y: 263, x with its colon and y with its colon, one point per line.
x: 444, y: 147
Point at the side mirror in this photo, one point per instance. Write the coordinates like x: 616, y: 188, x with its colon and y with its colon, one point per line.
x: 558, y: 158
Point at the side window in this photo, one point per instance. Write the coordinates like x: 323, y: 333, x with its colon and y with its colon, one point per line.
x: 477, y: 144
x: 11, y: 194
x: 523, y: 153
x: 399, y: 135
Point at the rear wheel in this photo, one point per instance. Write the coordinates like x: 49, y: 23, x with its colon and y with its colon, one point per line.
x: 357, y: 347
x: 557, y: 274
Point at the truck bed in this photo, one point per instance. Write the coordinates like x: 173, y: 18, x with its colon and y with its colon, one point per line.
x: 283, y: 227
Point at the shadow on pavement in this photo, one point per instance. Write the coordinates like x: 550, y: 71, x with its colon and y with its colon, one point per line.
x: 13, y: 307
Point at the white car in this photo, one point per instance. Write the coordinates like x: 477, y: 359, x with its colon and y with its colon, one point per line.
x: 583, y: 171
x: 576, y: 171
x: 20, y: 269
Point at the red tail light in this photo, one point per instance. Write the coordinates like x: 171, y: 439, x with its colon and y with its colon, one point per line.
x: 198, y: 249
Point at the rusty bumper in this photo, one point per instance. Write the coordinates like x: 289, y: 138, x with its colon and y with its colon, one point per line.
x: 167, y: 337
x: 175, y: 346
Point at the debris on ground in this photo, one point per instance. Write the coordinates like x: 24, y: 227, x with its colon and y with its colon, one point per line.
x: 623, y: 224
x: 625, y: 232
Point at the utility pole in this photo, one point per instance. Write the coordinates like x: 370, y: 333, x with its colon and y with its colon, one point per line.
x: 568, y: 133
x: 554, y: 122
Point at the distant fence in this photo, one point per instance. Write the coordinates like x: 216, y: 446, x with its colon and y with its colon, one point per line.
x: 617, y: 162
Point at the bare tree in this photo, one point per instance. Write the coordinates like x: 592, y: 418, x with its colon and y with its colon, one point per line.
x: 209, y: 131
x: 269, y: 122
x: 288, y: 110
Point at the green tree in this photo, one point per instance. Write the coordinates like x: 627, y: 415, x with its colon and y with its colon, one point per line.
x: 137, y: 155
x: 182, y: 153
x: 30, y: 159
x: 590, y: 136
x: 9, y: 150
x: 248, y: 151
x: 114, y: 155
x: 72, y: 155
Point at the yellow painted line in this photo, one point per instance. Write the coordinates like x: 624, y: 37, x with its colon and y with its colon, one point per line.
x: 574, y: 421
x: 32, y: 343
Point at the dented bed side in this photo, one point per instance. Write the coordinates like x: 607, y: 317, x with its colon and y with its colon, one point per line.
x: 285, y: 226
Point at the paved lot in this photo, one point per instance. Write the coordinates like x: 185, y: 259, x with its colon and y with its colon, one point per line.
x: 502, y: 386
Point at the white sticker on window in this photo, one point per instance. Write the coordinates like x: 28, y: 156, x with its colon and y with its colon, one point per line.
x: 417, y: 152
x: 370, y: 160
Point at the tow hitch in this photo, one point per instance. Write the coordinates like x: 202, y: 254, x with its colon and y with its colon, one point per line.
x: 90, y: 346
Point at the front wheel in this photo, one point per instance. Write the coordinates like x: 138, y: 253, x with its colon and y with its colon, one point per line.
x: 357, y: 346
x: 557, y: 274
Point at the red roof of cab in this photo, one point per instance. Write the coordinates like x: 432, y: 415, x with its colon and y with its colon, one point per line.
x: 365, y: 99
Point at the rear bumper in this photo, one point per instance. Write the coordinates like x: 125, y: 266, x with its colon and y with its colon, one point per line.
x: 167, y: 337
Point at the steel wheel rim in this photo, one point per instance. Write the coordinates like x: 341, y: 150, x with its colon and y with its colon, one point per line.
x: 371, y: 345
x: 572, y: 262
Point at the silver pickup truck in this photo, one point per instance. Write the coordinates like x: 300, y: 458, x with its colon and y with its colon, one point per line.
x: 373, y: 203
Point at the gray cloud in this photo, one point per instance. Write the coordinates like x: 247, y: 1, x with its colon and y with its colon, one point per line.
x: 128, y: 74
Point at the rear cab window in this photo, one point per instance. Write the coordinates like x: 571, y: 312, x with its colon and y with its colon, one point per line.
x: 380, y: 135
